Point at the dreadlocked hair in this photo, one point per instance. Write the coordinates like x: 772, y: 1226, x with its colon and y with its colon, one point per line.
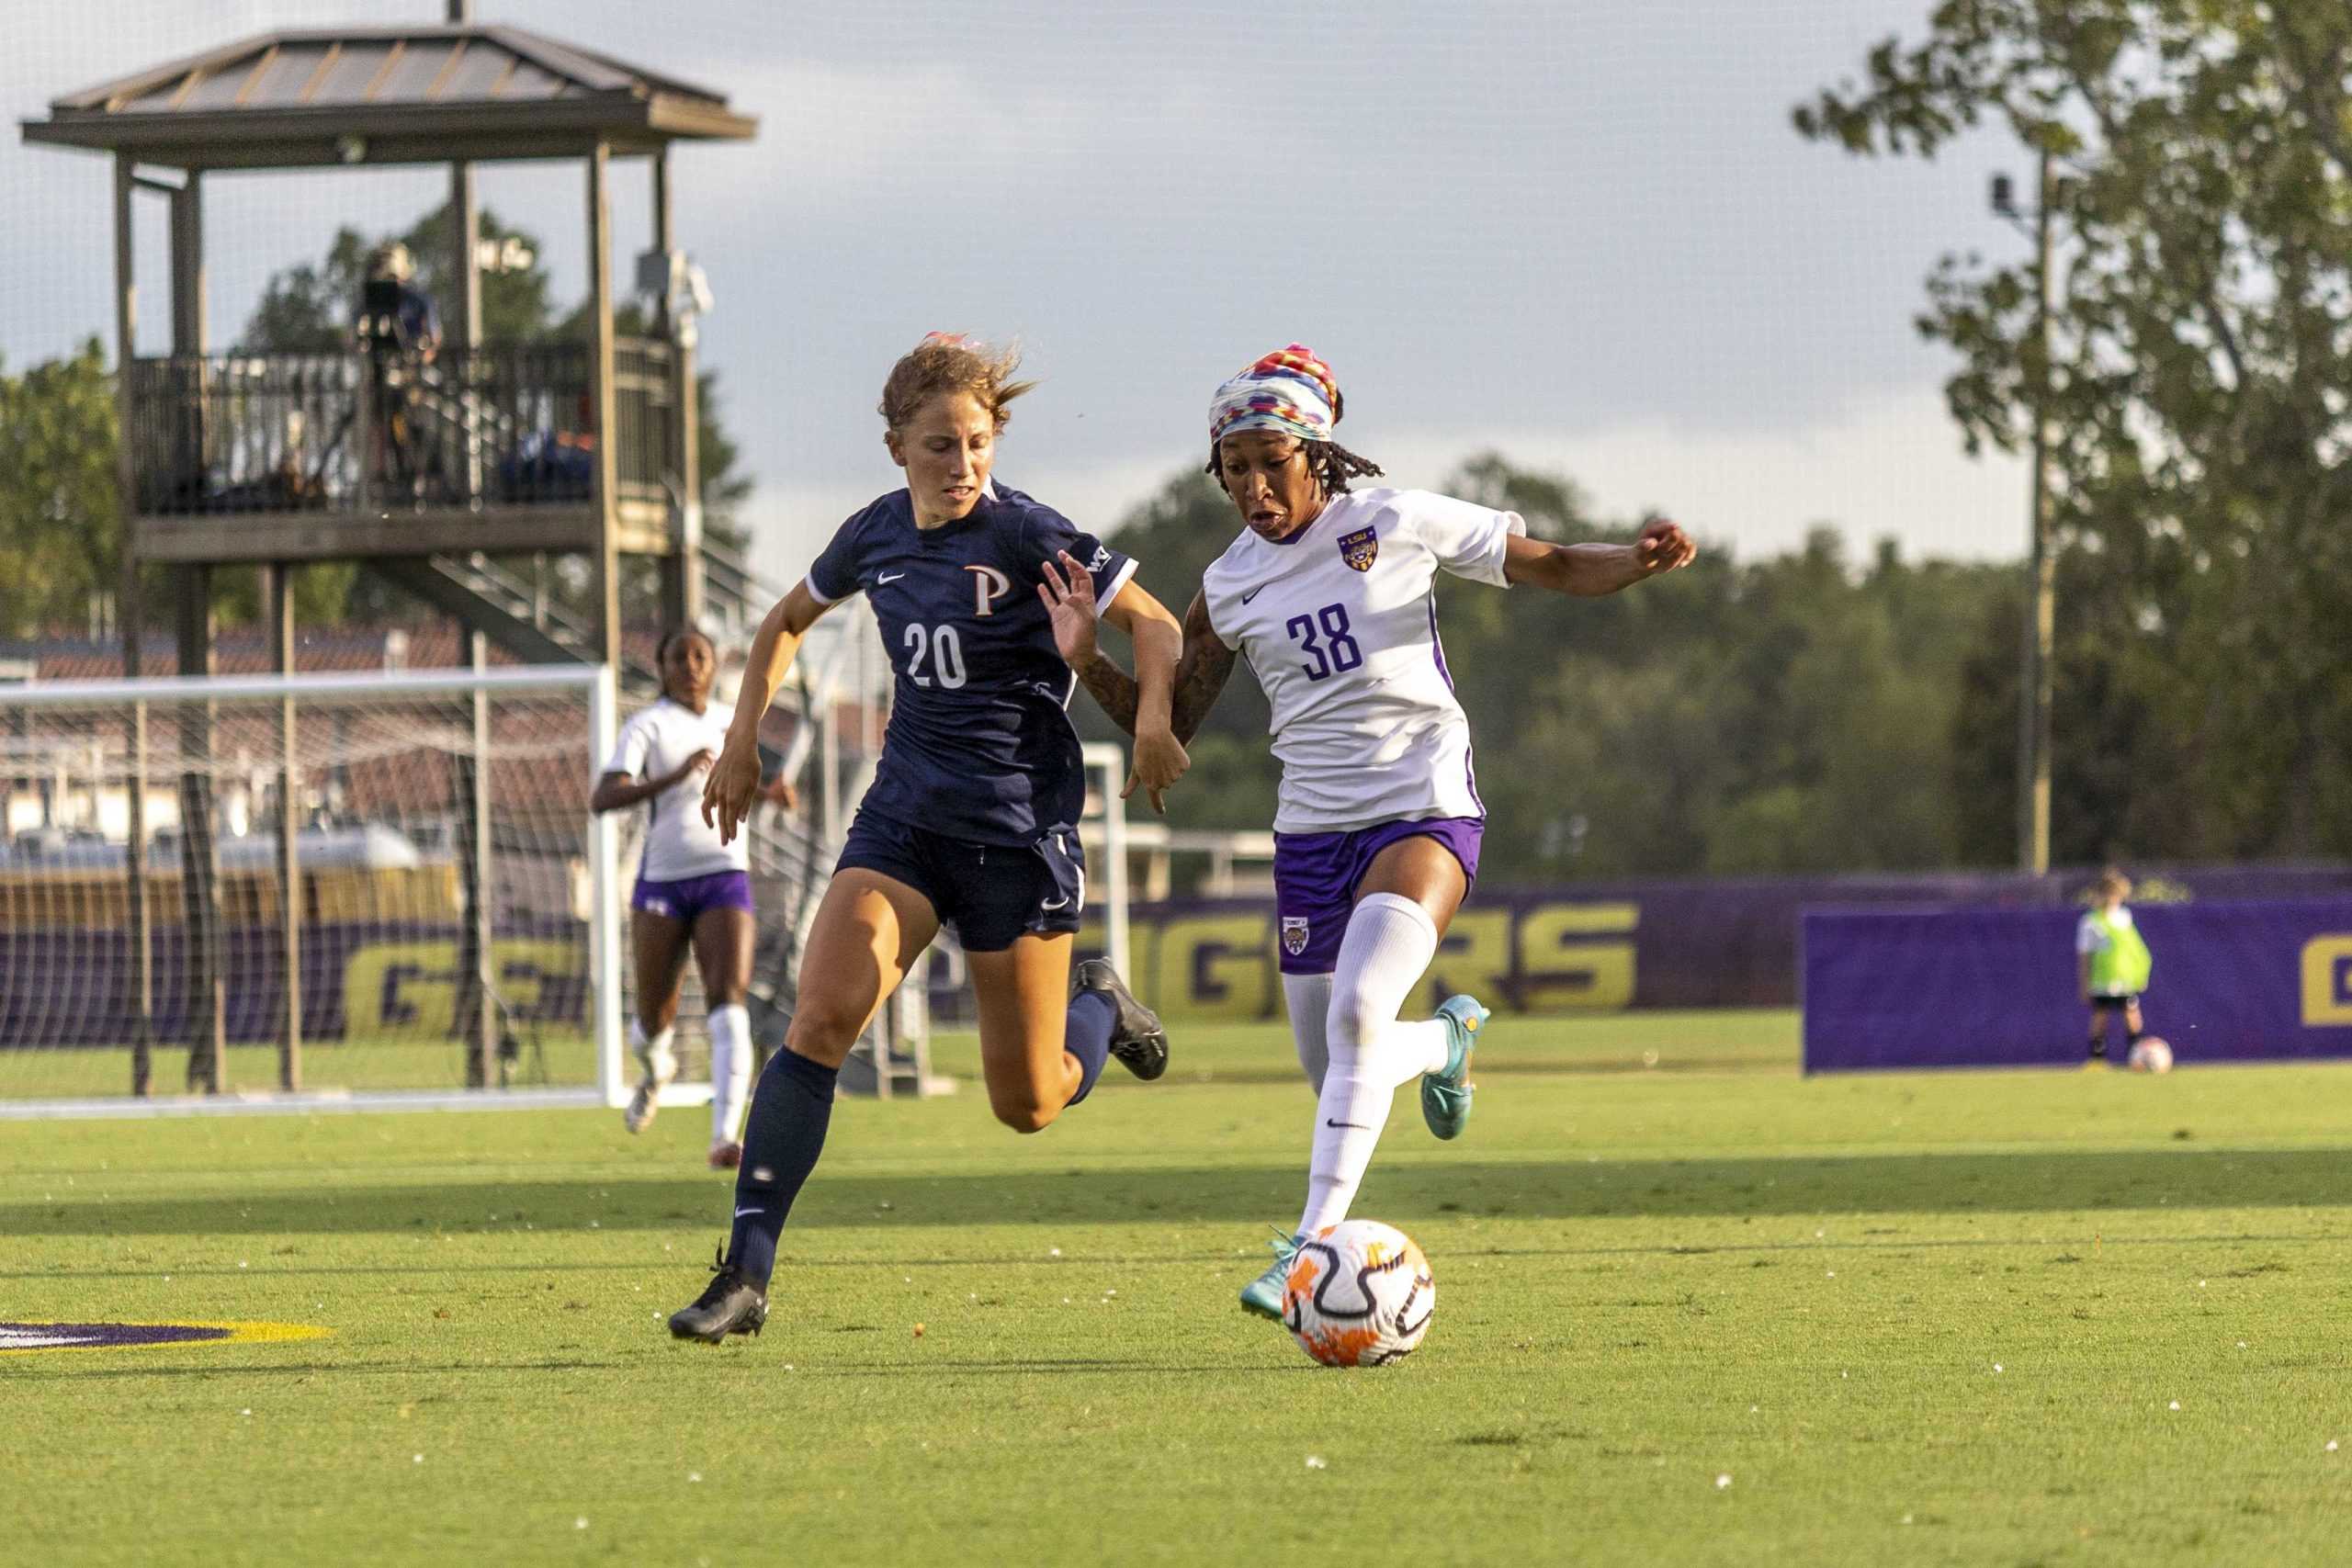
x: 1329, y: 462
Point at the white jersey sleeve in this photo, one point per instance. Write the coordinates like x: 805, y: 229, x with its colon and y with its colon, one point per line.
x: 1467, y: 540
x: 2089, y: 935
x: 631, y: 747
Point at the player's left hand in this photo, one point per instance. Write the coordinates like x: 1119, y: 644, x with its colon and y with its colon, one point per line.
x: 1663, y: 546
x: 1160, y: 759
x: 1068, y: 596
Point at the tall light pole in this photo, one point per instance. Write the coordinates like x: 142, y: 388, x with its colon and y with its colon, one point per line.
x: 2035, y: 678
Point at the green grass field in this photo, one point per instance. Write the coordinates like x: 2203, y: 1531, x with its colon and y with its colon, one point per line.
x: 1998, y: 1318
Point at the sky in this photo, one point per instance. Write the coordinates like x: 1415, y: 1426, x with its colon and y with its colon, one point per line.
x: 1583, y: 235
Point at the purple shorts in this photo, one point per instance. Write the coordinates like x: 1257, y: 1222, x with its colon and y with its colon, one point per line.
x: 686, y: 900
x: 1315, y: 876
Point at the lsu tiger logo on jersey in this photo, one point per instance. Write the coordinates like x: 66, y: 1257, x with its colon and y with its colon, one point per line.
x: 1360, y: 548
x: 1294, y: 934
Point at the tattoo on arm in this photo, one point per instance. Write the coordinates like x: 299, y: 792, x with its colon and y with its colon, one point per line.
x: 1200, y: 674
x: 1114, y: 690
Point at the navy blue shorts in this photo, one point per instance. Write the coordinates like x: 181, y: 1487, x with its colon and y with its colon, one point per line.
x: 992, y: 894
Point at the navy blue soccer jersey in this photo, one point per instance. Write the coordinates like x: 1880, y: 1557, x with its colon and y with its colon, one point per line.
x: 980, y: 745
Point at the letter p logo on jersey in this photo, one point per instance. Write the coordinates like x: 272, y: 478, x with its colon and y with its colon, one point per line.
x: 989, y: 585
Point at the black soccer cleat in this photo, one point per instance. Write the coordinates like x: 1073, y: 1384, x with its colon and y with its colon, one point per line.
x: 728, y: 1304
x: 1136, y: 1039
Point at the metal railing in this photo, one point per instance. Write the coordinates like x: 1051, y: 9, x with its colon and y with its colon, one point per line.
x: 385, y: 429
x: 645, y: 420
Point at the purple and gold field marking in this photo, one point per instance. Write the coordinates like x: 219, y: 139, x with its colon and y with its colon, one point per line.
x: 19, y: 1338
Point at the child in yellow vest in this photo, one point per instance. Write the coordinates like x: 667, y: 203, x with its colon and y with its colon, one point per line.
x: 2112, y: 962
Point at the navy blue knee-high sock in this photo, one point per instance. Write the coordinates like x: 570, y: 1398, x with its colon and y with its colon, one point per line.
x: 791, y: 1108
x: 1087, y: 1036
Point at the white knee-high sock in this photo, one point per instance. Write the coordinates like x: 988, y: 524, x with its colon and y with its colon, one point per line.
x: 1308, y: 999
x: 730, y: 1071
x: 652, y: 1051
x: 1390, y: 942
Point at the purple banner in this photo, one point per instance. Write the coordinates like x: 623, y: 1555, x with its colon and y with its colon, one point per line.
x: 63, y: 986
x: 1602, y: 947
x: 1581, y: 947
x: 2233, y: 981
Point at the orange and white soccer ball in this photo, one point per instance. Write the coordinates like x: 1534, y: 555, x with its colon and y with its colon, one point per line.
x: 1360, y: 1295
x: 2151, y: 1055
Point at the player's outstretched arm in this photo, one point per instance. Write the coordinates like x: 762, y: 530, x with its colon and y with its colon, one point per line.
x: 1142, y: 706
x: 1202, y: 667
x: 734, y: 782
x: 1589, y: 572
x: 1159, y: 757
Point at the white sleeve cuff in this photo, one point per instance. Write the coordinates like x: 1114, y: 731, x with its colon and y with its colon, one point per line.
x: 817, y: 594
x: 1102, y: 599
x: 1498, y: 561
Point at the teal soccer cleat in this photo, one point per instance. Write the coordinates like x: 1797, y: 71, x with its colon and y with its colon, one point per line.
x: 1446, y: 1097
x: 1263, y: 1295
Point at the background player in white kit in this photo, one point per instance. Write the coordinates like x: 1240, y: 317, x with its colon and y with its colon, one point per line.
x: 693, y: 890
x: 1377, y: 828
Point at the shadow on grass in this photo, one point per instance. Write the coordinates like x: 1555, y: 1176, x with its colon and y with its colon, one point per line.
x: 1920, y: 1183
x: 57, y: 1370
x: 75, y: 1367
x: 803, y: 1261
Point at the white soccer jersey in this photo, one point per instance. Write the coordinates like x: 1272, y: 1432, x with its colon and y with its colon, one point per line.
x: 678, y: 843
x: 1339, y: 622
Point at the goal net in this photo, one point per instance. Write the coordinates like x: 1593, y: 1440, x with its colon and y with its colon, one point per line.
x: 381, y: 887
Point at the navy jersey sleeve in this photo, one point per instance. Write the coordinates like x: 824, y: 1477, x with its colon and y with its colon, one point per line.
x: 833, y: 575
x: 1048, y: 532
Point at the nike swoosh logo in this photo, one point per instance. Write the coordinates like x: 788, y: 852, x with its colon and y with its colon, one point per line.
x: 1253, y: 593
x: 1357, y: 1125
x: 1060, y: 903
x: 889, y: 577
x: 740, y: 1213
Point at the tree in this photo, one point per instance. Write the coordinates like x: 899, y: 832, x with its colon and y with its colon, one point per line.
x: 2200, y: 348
x: 61, y: 519
x: 61, y: 525
x: 307, y: 308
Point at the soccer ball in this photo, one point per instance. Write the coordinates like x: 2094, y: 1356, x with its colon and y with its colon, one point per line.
x: 1360, y: 1295
x: 2151, y: 1056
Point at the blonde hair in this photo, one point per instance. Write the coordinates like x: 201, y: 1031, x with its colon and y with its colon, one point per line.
x: 2111, y: 880
x: 949, y: 362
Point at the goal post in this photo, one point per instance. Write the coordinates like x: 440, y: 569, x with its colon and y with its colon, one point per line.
x: 1105, y: 826
x: 363, y: 890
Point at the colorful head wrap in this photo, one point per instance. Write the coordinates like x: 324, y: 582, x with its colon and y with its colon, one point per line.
x: 1290, y: 390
